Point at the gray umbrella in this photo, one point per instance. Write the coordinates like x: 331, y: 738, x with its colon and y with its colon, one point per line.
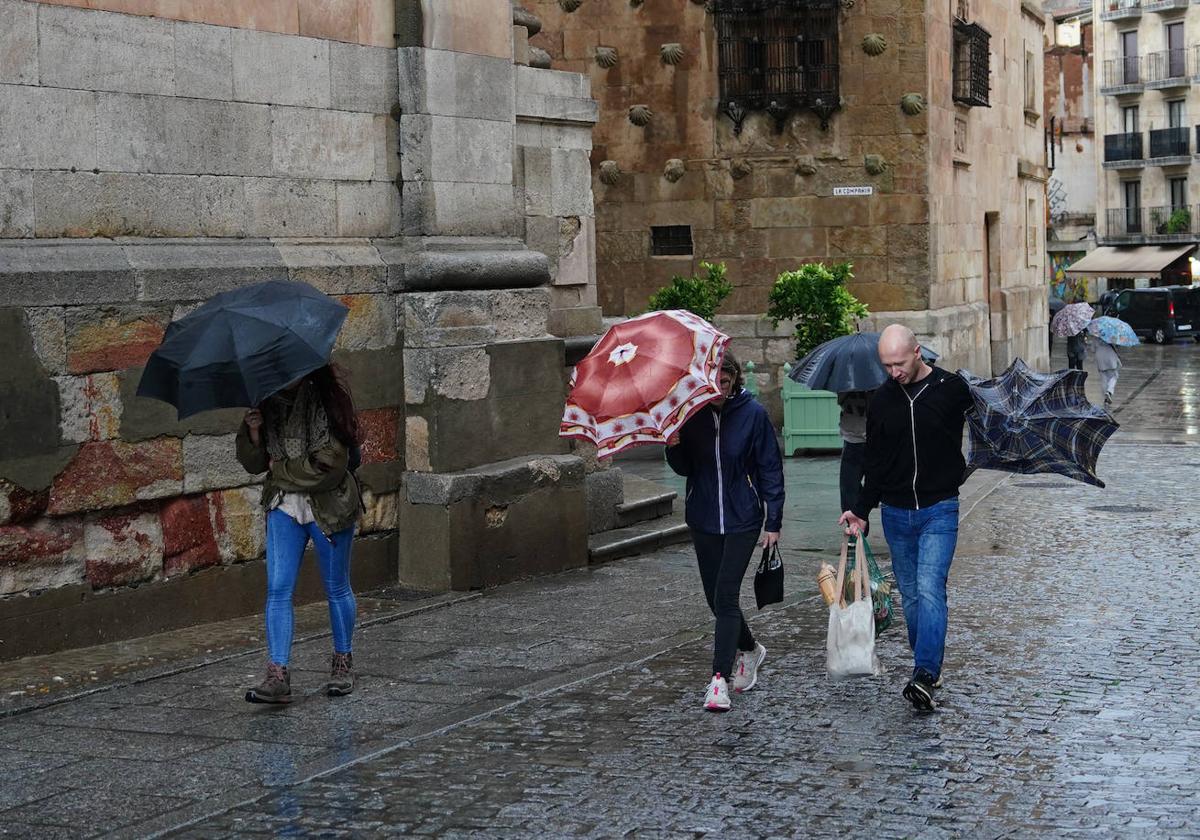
x: 846, y: 363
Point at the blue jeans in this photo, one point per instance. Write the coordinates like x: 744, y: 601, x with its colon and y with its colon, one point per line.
x: 286, y: 541
x: 922, y: 544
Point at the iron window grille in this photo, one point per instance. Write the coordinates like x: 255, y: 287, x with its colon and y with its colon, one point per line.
x: 972, y: 74
x: 671, y: 241
x: 777, y: 56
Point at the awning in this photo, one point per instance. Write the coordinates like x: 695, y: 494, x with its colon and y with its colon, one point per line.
x: 1140, y: 261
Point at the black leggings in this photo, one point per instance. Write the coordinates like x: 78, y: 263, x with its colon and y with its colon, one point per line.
x: 723, y: 559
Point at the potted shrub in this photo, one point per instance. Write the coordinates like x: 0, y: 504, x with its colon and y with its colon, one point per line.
x: 816, y: 298
x: 700, y: 295
x: 1180, y: 221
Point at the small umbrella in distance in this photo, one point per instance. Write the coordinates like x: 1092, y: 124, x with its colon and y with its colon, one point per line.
x: 242, y: 346
x: 1030, y: 422
x: 1072, y: 319
x: 643, y: 380
x: 846, y: 363
x: 1113, y: 331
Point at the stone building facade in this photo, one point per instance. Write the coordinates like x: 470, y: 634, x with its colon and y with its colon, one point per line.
x: 950, y: 238
x: 1147, y: 56
x: 395, y: 154
x: 1069, y: 102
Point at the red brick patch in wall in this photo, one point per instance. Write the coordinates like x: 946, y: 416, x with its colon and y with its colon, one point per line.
x: 379, y: 425
x: 23, y: 505
x: 108, y: 474
x: 123, y: 548
x: 113, y: 344
x: 40, y: 542
x: 188, y: 539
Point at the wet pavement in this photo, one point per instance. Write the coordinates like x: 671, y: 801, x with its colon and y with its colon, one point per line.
x: 570, y: 705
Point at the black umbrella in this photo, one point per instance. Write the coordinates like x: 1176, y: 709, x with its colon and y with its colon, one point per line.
x: 846, y: 363
x: 242, y: 346
x: 1030, y: 422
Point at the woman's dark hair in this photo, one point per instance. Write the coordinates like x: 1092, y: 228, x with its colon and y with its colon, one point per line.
x: 731, y: 365
x: 330, y: 382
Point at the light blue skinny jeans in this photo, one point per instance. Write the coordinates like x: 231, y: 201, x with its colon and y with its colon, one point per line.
x: 286, y: 541
x: 922, y: 543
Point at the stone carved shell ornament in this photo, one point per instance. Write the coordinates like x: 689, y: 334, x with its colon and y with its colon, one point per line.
x: 875, y: 164
x: 671, y: 53
x: 569, y: 6
x: 606, y: 57
x: 674, y: 170
x: 740, y: 168
x: 610, y: 172
x: 640, y: 115
x: 874, y: 44
x: 806, y: 165
x: 912, y: 104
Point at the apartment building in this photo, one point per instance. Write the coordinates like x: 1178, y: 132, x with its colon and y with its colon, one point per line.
x: 1147, y: 111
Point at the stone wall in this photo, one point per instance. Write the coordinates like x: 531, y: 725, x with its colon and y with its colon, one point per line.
x: 147, y: 164
x: 151, y: 127
x: 987, y: 187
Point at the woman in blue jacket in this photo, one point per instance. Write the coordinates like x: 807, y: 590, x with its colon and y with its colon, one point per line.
x: 730, y: 456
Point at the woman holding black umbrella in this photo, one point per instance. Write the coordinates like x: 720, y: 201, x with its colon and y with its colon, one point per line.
x: 304, y: 437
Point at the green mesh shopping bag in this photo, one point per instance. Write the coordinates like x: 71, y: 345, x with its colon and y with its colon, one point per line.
x: 881, y: 585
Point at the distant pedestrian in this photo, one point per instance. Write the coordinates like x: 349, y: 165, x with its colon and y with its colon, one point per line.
x: 730, y: 456
x: 914, y: 467
x: 1076, y: 350
x: 306, y: 439
x: 1108, y: 362
x: 852, y: 426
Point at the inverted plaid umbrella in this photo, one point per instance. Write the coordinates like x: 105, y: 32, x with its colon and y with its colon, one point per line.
x: 643, y: 380
x: 1072, y: 319
x: 1113, y: 331
x: 1030, y: 422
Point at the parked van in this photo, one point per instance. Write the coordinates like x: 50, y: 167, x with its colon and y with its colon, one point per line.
x: 1160, y: 314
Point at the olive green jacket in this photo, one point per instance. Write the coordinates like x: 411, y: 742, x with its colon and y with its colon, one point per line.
x: 322, y: 475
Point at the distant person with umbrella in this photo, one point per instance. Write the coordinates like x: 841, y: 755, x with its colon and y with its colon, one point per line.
x: 729, y: 454
x: 1110, y: 333
x: 1069, y: 323
x: 914, y: 467
x: 852, y: 427
x: 267, y: 346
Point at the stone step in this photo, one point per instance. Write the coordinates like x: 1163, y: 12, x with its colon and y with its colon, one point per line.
x: 644, y: 500
x: 642, y: 538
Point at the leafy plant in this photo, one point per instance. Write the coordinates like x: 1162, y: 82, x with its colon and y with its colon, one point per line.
x: 700, y: 295
x: 1180, y: 221
x: 816, y: 297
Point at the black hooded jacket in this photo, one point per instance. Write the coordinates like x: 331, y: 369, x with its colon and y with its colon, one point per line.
x: 914, y: 443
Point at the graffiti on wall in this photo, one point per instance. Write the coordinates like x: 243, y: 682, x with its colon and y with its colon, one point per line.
x: 1061, y: 286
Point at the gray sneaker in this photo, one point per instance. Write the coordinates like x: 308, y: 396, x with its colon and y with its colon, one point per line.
x: 341, y: 675
x: 276, y: 688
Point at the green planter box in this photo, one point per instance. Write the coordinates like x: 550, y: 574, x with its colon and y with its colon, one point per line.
x: 810, y: 418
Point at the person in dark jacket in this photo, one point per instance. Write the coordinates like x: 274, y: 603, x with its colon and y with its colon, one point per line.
x: 730, y: 456
x: 914, y: 467
x: 305, y: 438
x: 1076, y: 350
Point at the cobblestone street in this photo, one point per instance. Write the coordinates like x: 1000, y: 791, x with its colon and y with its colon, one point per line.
x: 570, y: 705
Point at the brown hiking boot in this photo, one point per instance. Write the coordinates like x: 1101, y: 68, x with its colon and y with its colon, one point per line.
x: 341, y: 675
x: 276, y: 688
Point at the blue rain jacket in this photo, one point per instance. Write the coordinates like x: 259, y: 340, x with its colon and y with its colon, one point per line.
x: 732, y: 493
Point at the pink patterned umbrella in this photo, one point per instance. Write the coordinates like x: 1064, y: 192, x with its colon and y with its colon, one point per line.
x: 643, y: 380
x: 1072, y: 319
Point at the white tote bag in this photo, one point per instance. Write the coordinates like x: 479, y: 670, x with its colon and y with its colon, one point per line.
x: 850, y: 642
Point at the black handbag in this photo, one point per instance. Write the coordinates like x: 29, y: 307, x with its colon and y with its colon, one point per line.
x: 768, y: 580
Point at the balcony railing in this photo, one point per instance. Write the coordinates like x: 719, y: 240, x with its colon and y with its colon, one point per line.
x: 1119, y: 9
x: 1125, y: 222
x: 1164, y: 5
x: 1123, y: 147
x: 1123, y: 74
x: 1169, y: 68
x: 1152, y: 224
x: 1169, y: 143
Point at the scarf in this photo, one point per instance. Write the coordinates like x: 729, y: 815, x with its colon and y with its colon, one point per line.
x: 296, y: 424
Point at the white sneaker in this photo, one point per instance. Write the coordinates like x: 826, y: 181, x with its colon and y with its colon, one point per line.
x: 745, y: 669
x: 716, y: 698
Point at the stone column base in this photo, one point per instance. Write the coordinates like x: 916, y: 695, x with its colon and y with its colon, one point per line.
x: 492, y: 524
